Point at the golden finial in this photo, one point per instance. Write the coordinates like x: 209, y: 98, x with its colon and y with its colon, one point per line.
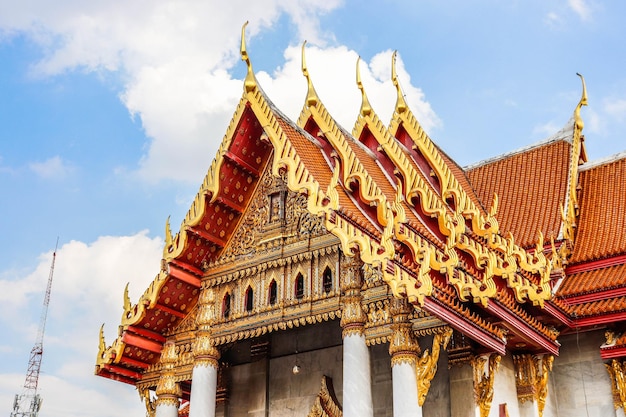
x: 250, y: 81
x: 366, y: 108
x: 494, y: 205
x: 583, y: 102
x: 400, y: 103
x: 311, y: 95
x: 168, y: 234
x: 102, y: 344
x: 126, y: 299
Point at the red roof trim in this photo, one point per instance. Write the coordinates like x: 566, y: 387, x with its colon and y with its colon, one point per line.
x: 184, y: 276
x: 603, y: 319
x: 596, y: 296
x: 612, y: 352
x: 170, y: 310
x: 141, y: 342
x: 600, y: 263
x: 462, y: 325
x: 234, y: 158
x: 147, y: 333
x: 522, y: 327
x: 118, y: 370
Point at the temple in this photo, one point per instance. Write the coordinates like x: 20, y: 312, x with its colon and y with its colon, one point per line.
x: 323, y: 272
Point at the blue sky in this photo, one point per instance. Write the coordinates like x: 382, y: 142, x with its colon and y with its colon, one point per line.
x: 111, y: 112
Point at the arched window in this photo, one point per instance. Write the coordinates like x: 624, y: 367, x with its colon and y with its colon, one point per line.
x: 249, y: 299
x: 327, y: 280
x: 273, y: 293
x: 299, y: 286
x: 226, y: 306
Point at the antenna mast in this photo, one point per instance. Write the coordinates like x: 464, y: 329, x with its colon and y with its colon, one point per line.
x: 28, y: 403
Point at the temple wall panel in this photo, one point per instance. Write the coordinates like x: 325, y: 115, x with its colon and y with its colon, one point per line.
x: 382, y: 397
x: 437, y: 402
x: 580, y: 380
x: 293, y: 395
x: 461, y: 391
x: 505, y: 391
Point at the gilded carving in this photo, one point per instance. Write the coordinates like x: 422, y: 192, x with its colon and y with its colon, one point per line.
x: 168, y: 391
x: 531, y: 378
x: 149, y: 402
x: 204, y: 351
x: 326, y: 403
x: 426, y: 366
x: 403, y: 345
x: 483, y: 381
x: 617, y: 374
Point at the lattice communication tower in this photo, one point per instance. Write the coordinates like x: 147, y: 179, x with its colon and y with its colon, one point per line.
x: 28, y: 403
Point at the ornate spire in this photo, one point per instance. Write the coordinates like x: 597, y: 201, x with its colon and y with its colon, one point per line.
x: 311, y: 95
x: 250, y: 83
x: 366, y: 108
x: 583, y: 102
x: 401, y: 105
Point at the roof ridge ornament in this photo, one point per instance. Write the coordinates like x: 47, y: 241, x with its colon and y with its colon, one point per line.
x: 366, y: 108
x: 250, y: 83
x: 401, y: 105
x: 583, y: 102
x: 311, y: 96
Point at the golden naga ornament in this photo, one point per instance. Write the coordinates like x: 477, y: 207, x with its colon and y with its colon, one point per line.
x: 426, y: 366
x: 483, y: 381
x: 617, y: 374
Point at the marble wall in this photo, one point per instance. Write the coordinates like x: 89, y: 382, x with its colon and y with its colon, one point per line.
x: 579, y: 381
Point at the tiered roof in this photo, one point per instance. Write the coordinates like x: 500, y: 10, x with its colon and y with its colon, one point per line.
x: 465, y: 246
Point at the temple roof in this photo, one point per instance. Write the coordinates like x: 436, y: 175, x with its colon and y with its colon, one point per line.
x: 602, y: 196
x: 531, y: 185
x: 394, y: 199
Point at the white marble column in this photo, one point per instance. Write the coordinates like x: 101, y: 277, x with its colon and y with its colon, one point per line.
x: 405, y: 403
x: 166, y: 410
x: 357, y: 384
x: 404, y: 350
x: 206, y: 360
x: 203, y: 391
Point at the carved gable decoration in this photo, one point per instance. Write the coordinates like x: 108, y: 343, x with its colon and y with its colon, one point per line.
x: 275, y: 216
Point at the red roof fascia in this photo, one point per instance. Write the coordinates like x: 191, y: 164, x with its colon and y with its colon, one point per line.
x: 184, y: 276
x: 147, y: 333
x: 242, y: 163
x: 134, y: 362
x: 596, y: 296
x: 141, y: 342
x: 468, y: 328
x: 526, y: 331
x: 118, y: 370
x: 600, y: 263
x: 613, y: 352
x: 598, y: 320
x: 558, y: 314
x: 171, y: 311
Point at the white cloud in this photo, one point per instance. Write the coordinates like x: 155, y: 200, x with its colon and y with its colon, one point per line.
x: 177, y: 58
x: 581, y: 8
x: 333, y: 73
x: 51, y: 168
x: 615, y: 108
x: 87, y: 290
x: 546, y: 130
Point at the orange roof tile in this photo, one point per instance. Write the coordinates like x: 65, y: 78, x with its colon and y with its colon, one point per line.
x: 531, y: 186
x: 601, y: 231
x: 595, y: 308
x: 593, y: 281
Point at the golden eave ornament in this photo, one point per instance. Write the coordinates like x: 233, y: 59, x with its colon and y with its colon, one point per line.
x: 250, y: 83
